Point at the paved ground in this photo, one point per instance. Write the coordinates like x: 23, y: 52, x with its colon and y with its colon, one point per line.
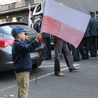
x: 79, y: 84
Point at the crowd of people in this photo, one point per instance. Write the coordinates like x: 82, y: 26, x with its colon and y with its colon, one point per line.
x: 89, y: 44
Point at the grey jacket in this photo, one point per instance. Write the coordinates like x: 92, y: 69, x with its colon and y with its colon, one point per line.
x: 93, y: 26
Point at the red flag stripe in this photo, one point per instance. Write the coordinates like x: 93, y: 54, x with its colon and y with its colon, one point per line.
x: 61, y: 30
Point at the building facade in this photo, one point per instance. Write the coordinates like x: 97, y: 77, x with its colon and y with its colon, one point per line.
x: 10, y: 9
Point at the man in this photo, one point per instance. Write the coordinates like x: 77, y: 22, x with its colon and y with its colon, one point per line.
x: 93, y: 35
x: 60, y: 47
x: 19, y: 18
x: 32, y: 19
x: 46, y: 36
x: 84, y: 45
x: 97, y: 27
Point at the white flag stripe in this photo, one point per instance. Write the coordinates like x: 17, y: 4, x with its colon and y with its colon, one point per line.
x: 64, y: 22
x: 67, y: 15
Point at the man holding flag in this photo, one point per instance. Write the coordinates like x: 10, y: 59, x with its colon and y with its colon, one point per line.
x: 64, y: 25
x: 60, y: 47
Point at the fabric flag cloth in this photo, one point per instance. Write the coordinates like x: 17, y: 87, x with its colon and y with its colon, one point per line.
x: 29, y: 17
x: 64, y: 22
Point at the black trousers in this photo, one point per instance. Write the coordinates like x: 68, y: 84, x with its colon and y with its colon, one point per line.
x: 93, y: 46
x: 75, y: 53
x: 84, y: 48
x: 48, y: 45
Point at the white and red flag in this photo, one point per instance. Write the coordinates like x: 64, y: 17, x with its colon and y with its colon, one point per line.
x: 64, y: 22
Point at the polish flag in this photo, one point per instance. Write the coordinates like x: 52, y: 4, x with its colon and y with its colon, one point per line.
x: 64, y: 22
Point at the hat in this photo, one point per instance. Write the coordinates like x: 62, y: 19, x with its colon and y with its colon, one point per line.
x: 96, y: 12
x: 91, y: 12
x: 17, y: 29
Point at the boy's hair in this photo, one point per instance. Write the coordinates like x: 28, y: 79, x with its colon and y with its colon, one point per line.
x: 15, y: 36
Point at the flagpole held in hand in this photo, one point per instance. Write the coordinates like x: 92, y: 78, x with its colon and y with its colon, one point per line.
x: 41, y: 40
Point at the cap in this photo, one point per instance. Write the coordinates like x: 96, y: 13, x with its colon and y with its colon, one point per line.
x: 91, y: 12
x: 18, y: 29
x: 96, y: 12
x: 39, y: 9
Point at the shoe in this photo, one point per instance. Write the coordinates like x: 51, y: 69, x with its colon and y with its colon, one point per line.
x: 60, y: 74
x: 74, y: 68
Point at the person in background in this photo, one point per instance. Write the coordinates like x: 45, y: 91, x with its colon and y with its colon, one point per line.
x: 21, y: 58
x: 60, y: 47
x: 8, y: 19
x: 46, y: 36
x: 32, y: 19
x: 84, y: 45
x: 93, y: 34
x: 97, y: 27
x: 19, y: 18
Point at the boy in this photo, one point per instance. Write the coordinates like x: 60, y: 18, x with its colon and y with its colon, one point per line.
x: 21, y: 58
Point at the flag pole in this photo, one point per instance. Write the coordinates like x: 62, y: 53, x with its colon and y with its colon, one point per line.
x: 29, y: 15
x: 29, y: 7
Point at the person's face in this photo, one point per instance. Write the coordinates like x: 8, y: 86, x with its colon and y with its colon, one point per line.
x: 32, y: 21
x: 96, y: 15
x: 22, y: 36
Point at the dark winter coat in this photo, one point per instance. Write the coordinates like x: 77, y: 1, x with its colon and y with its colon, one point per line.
x: 21, y: 55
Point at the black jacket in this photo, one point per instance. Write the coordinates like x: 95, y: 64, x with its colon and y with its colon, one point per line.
x: 87, y: 34
x: 21, y: 55
x: 37, y: 27
x: 93, y: 26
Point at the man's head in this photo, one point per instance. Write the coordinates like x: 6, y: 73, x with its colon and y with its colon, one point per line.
x: 19, y: 18
x: 96, y: 13
x: 19, y: 32
x: 92, y: 13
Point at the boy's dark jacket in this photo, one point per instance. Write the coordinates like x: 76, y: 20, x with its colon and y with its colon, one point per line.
x: 21, y: 55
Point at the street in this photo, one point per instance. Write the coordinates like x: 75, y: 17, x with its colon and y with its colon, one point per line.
x: 77, y: 84
x: 31, y: 30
